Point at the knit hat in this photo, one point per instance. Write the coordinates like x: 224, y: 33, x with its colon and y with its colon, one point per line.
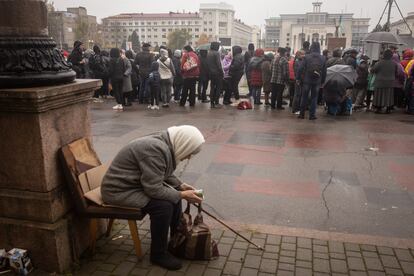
x: 188, y: 48
x: 177, y: 53
x: 186, y: 141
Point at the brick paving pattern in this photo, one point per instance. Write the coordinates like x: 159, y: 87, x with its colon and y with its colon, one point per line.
x: 283, y: 255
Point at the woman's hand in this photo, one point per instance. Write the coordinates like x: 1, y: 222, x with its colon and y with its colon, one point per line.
x: 186, y: 187
x: 191, y: 196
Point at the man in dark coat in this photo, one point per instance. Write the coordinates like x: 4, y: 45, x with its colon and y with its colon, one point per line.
x: 335, y: 59
x: 144, y: 60
x: 236, y: 71
x: 76, y: 59
x: 216, y: 73
x: 247, y: 57
x: 313, y: 69
x: 203, y: 79
x: 98, y: 64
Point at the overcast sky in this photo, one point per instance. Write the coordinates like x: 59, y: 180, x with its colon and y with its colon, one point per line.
x: 252, y: 12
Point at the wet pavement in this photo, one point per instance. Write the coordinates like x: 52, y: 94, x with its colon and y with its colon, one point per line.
x: 351, y: 175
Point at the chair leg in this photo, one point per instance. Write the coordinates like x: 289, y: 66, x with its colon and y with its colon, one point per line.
x: 93, y: 228
x: 135, y: 237
x: 109, y: 227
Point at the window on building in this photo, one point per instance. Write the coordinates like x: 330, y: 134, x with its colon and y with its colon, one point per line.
x: 169, y: 23
x: 142, y: 36
x: 136, y: 23
x: 197, y: 29
x: 124, y: 30
x: 142, y: 30
x: 190, y: 29
x: 148, y: 36
x: 162, y: 22
x: 148, y: 23
x: 182, y: 22
x: 164, y: 43
x: 210, y: 22
x: 196, y: 36
x: 205, y: 29
x: 155, y: 23
x: 164, y: 36
x: 155, y: 30
x: 175, y: 22
x: 155, y: 36
x: 142, y: 23
x: 124, y: 24
x: 130, y: 23
x: 210, y: 29
x: 189, y: 22
x: 170, y: 30
x: 164, y: 30
x: 288, y: 34
x: 205, y: 22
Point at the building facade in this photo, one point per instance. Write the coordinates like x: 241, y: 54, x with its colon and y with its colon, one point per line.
x: 400, y: 27
x: 65, y: 27
x: 216, y: 21
x: 293, y: 29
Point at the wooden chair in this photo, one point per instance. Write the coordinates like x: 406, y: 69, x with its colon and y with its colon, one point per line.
x: 77, y: 158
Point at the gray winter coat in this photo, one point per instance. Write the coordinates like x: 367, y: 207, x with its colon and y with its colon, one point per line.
x: 140, y: 171
x: 126, y: 80
x: 384, y: 71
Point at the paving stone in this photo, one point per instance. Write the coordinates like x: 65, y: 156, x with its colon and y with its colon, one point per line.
x: 357, y: 273
x: 370, y: 254
x: 321, y: 255
x: 303, y: 264
x: 227, y: 240
x: 304, y: 254
x: 224, y: 249
x: 241, y: 245
x: 100, y: 273
x: 285, y: 273
x: 389, y: 261
x: 259, y: 235
x: 338, y: 266
x: 373, y: 264
x: 304, y: 243
x: 272, y: 248
x: 237, y: 255
x: 355, y: 263
x: 339, y: 274
x: 339, y: 256
x: 158, y: 271
x: 232, y: 268
x: 254, y: 251
x: 259, y: 242
x: 117, y: 257
x: 319, y: 242
x: 352, y: 247
x: 89, y: 267
x: 268, y: 266
x: 287, y: 253
x: 403, y: 255
x: 212, y: 272
x: 175, y: 273
x: 195, y: 269
x: 366, y: 247
x: 376, y: 273
x: 382, y: 250
x: 284, y: 266
x: 228, y: 233
x: 144, y: 262
x: 273, y: 239
x: 252, y: 261
x: 216, y: 233
x: 353, y: 254
x: 247, y: 234
x: 320, y: 265
x: 288, y: 239
x: 321, y: 274
x: 265, y: 274
x: 288, y: 260
x: 288, y: 246
x: 100, y: 257
x: 407, y: 267
x: 248, y: 272
x: 123, y: 268
x: 299, y: 271
x: 270, y: 255
x: 320, y: 248
x: 218, y: 263
x: 336, y: 247
x: 139, y: 271
x: 394, y: 272
x: 106, y: 267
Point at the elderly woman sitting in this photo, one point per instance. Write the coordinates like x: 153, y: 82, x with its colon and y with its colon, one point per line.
x: 141, y: 176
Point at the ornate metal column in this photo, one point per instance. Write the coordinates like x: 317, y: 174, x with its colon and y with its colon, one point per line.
x: 28, y: 56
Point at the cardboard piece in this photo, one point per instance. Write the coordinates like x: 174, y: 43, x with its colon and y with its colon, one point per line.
x: 92, y: 179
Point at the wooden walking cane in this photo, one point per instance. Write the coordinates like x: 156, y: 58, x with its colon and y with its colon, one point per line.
x: 231, y: 229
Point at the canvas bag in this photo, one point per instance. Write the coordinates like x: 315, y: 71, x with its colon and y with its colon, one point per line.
x: 193, y: 240
x: 190, y: 63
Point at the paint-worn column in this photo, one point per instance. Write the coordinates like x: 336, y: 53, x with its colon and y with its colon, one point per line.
x: 41, y: 109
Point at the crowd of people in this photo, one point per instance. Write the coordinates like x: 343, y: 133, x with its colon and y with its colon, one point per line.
x: 157, y: 79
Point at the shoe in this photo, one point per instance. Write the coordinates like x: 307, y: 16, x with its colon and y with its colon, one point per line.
x: 165, y: 105
x: 205, y: 101
x: 149, y: 107
x: 117, y: 107
x: 280, y: 108
x: 166, y: 261
x: 297, y: 113
x: 97, y: 100
x: 284, y: 102
x: 312, y: 118
x: 301, y: 116
x: 120, y: 107
x: 267, y: 103
x: 156, y: 107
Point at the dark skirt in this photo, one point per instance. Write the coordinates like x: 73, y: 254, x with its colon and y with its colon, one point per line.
x: 383, y: 97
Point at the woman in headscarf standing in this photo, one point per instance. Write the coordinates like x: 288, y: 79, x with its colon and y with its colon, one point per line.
x: 142, y: 176
x: 385, y: 71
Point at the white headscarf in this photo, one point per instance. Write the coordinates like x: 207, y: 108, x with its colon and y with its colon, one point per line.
x: 186, y: 141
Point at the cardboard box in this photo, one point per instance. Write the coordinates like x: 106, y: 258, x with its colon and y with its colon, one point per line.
x: 91, y: 181
x: 19, y: 261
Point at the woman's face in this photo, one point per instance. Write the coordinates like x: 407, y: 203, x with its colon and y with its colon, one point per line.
x: 193, y: 153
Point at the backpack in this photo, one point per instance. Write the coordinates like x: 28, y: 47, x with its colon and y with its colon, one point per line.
x: 190, y: 63
x: 98, y: 66
x: 243, y: 105
x: 193, y: 240
x: 314, y: 67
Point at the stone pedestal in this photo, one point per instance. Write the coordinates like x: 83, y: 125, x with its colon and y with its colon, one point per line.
x: 35, y: 207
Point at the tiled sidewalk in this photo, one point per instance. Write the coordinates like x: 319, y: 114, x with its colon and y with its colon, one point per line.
x: 283, y: 255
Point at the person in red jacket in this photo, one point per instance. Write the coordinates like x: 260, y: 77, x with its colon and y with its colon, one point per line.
x: 408, y: 55
x: 190, y: 70
x: 254, y: 72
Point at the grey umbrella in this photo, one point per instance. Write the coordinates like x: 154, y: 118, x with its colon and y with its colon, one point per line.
x: 342, y: 75
x: 382, y: 38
